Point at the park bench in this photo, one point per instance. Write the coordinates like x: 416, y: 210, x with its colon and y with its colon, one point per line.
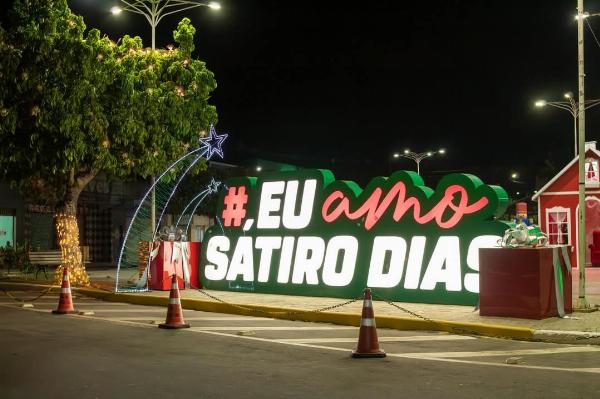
x: 42, y: 259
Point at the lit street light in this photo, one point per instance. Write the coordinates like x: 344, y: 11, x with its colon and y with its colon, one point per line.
x: 154, y: 11
x: 418, y: 157
x: 572, y: 107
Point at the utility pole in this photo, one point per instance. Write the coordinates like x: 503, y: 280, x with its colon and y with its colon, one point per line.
x: 582, y: 301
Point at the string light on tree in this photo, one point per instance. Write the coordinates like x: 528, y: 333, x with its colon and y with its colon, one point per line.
x: 68, y: 240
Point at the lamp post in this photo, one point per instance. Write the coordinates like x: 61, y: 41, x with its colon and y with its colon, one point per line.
x: 154, y: 11
x: 418, y: 156
x: 581, y: 300
x: 571, y: 106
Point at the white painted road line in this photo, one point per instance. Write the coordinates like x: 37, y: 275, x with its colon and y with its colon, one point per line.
x: 194, y: 318
x: 381, y: 339
x: 277, y: 328
x: 518, y: 352
x: 54, y: 301
x: 415, y: 356
x: 412, y: 356
x: 502, y: 364
x: 132, y: 311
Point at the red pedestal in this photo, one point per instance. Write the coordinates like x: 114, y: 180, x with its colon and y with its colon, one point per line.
x: 519, y: 282
x: 164, y: 265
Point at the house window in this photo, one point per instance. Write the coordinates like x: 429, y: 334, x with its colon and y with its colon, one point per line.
x: 558, y: 222
x: 592, y: 179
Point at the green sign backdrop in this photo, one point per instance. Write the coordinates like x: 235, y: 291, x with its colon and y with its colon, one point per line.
x: 304, y: 233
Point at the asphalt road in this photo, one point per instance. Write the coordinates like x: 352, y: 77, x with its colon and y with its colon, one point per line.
x: 118, y: 352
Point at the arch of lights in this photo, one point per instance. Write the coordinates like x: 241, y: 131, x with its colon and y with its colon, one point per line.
x: 139, y: 226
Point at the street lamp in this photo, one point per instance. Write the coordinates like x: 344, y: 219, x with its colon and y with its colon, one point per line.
x: 418, y: 156
x: 571, y: 106
x: 155, y: 10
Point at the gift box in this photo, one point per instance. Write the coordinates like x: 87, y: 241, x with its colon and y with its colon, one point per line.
x: 521, y: 282
x: 174, y: 257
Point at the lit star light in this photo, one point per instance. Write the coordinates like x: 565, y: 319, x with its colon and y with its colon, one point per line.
x: 213, y: 186
x: 212, y: 144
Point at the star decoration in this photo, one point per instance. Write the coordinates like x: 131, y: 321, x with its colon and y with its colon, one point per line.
x: 212, y: 144
x: 213, y: 186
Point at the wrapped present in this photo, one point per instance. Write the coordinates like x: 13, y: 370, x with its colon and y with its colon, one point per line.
x: 525, y: 282
x: 174, y: 257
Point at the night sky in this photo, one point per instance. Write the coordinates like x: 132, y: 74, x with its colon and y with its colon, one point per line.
x: 343, y: 84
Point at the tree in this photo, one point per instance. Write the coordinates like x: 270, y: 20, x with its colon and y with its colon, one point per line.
x: 74, y: 104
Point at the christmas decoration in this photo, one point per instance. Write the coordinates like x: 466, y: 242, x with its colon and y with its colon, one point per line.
x: 165, y: 186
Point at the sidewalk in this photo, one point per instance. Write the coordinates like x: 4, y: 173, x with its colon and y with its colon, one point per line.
x: 580, y: 328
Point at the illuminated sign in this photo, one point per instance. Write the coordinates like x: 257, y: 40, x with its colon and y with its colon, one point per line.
x: 304, y: 233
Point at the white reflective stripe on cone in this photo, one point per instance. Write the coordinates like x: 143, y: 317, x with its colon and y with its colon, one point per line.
x: 65, y: 290
x: 174, y: 301
x: 174, y: 286
x: 367, y: 303
x: 367, y: 322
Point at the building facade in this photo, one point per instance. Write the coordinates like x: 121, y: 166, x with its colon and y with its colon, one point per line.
x: 558, y: 204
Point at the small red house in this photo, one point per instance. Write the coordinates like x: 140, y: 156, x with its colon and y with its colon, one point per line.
x: 558, y: 203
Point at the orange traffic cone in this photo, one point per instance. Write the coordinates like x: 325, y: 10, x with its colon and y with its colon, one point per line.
x: 174, y: 311
x: 65, y: 301
x: 368, y: 343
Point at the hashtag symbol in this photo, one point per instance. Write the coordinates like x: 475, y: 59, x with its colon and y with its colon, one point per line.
x: 234, y: 211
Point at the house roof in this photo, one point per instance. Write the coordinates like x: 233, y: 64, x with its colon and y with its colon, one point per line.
x: 562, y: 172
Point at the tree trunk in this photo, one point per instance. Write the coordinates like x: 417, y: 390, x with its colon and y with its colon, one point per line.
x: 67, y: 231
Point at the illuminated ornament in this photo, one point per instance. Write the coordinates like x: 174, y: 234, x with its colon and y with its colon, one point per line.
x: 186, y: 62
x: 100, y: 57
x: 179, y: 90
x: 133, y: 252
x: 213, y: 186
x: 35, y: 110
x: 212, y: 144
x: 170, y: 47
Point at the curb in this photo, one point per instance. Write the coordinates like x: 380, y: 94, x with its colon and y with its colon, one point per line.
x: 341, y: 318
x: 567, y: 337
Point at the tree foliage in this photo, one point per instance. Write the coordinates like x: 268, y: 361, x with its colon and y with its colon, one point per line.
x: 74, y: 103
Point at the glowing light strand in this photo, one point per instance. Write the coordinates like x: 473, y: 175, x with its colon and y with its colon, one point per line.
x: 208, y: 147
x: 68, y: 239
x: 144, y: 198
x: 194, y: 210
x: 203, y: 192
x: 211, y: 188
x: 162, y: 212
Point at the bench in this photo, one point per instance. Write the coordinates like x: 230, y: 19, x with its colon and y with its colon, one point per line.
x: 42, y: 259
